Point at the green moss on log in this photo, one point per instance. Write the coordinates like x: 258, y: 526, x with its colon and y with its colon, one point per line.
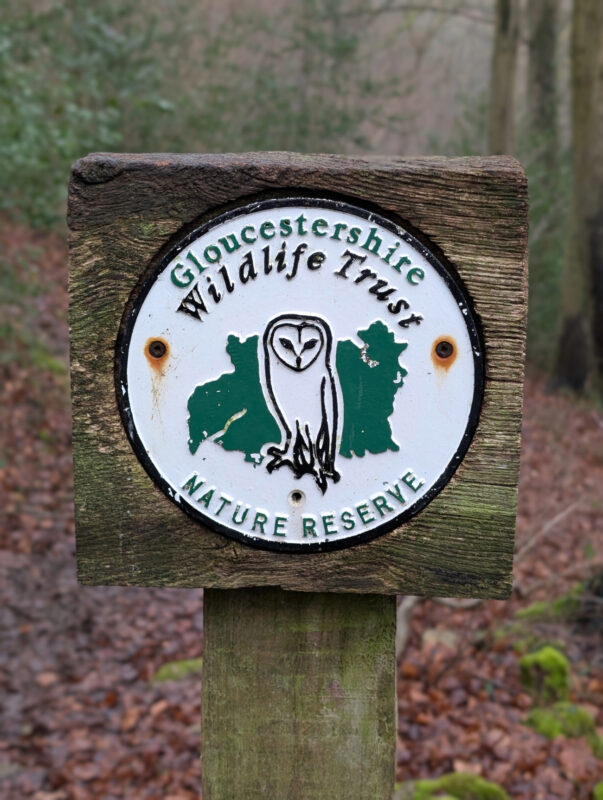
x: 566, y: 719
x: 460, y: 786
x: 546, y: 674
x: 178, y: 670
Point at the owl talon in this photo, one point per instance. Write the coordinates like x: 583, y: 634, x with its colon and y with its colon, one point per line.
x: 321, y: 478
x: 277, y: 461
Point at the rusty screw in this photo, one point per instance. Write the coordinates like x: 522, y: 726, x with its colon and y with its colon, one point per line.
x: 157, y: 348
x: 444, y: 349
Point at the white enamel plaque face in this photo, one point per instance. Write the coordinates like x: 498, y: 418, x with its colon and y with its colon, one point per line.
x: 300, y: 374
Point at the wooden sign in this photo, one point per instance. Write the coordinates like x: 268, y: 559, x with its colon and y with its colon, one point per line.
x: 297, y: 371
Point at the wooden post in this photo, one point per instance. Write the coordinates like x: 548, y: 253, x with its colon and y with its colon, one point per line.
x: 298, y: 695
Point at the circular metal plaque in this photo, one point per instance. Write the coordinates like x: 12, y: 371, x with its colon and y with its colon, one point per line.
x: 300, y: 374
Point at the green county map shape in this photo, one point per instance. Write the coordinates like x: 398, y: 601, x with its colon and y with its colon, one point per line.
x: 370, y: 377
x: 234, y: 408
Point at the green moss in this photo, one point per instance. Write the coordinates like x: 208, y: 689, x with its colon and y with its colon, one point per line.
x: 563, y: 607
x: 177, y: 670
x: 524, y: 637
x: 536, y: 610
x: 546, y: 674
x: 596, y: 744
x: 148, y: 229
x: 460, y: 786
x: 598, y: 791
x: 566, y: 719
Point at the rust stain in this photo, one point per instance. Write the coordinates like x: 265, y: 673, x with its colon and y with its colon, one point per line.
x: 438, y: 361
x: 157, y: 363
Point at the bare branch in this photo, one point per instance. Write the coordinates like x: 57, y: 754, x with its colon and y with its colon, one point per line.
x: 548, y: 526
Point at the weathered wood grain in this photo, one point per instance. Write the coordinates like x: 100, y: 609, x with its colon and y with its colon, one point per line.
x: 298, y: 696
x: 125, y: 210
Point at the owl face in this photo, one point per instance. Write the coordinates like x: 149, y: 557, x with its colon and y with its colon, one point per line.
x: 297, y: 344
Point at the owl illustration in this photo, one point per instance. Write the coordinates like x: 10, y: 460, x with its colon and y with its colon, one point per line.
x: 302, y: 392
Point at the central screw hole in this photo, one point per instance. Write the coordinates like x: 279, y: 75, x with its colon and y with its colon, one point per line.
x: 444, y: 349
x: 157, y: 349
x: 296, y: 498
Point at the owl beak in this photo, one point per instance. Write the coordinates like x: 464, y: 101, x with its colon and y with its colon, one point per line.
x: 298, y: 361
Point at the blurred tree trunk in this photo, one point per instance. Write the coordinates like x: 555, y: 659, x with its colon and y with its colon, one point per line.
x: 579, y: 361
x: 502, y: 77
x: 547, y: 206
x: 542, y: 19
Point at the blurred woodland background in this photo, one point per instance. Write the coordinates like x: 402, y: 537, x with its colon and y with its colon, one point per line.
x: 87, y: 713
x: 453, y: 78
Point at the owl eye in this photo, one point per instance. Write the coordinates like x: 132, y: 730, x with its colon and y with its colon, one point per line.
x: 310, y: 344
x: 286, y: 343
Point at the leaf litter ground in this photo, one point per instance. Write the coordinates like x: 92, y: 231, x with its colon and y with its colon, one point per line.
x: 80, y: 716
